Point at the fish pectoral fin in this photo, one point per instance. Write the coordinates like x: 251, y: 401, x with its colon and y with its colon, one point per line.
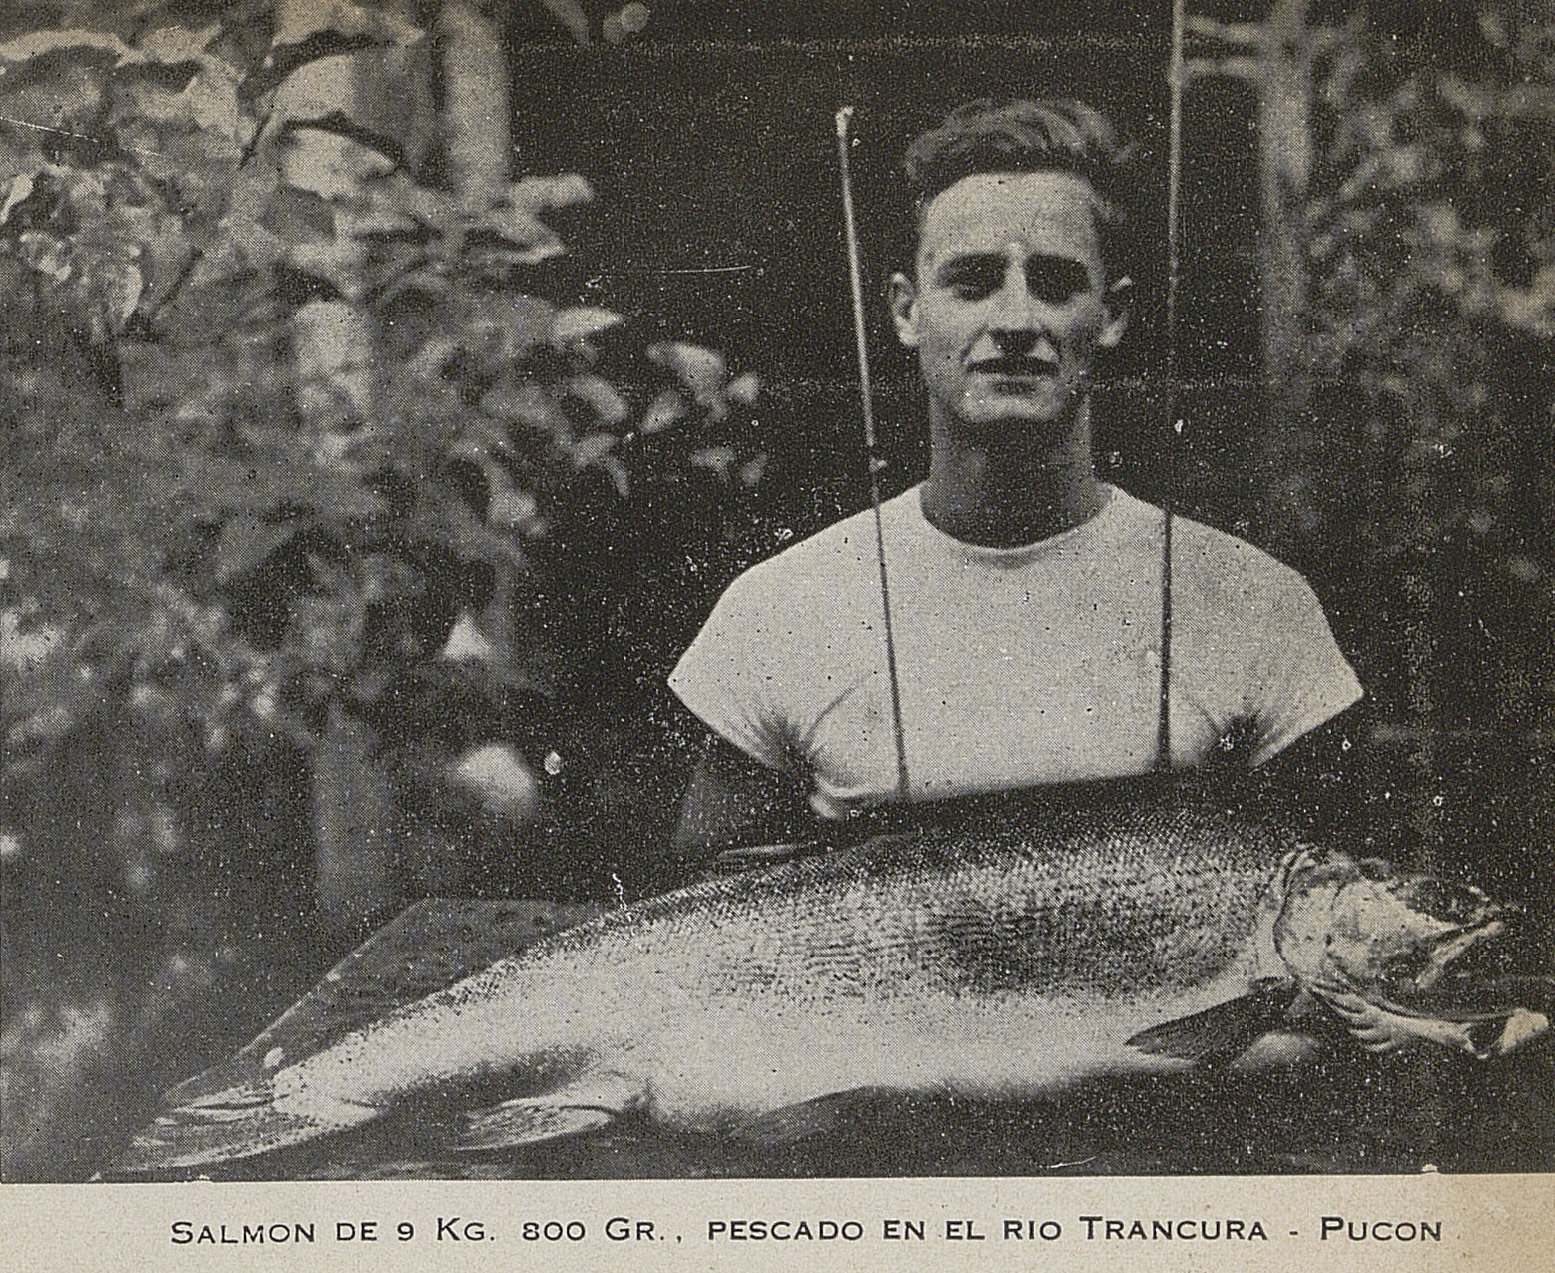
x: 593, y: 1101
x: 817, y: 1116
x: 790, y: 1123
x: 1226, y: 1030
x: 823, y: 1115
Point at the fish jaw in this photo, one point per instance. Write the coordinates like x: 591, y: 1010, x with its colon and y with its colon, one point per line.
x: 1380, y: 947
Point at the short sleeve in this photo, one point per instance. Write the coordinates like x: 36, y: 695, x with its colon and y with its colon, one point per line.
x: 1302, y: 679
x: 729, y: 675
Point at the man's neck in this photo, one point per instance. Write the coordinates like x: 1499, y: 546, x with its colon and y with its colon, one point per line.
x: 1004, y: 497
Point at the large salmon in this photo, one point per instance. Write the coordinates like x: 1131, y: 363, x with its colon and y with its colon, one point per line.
x: 991, y: 962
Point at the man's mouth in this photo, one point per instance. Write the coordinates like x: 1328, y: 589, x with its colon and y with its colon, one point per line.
x: 1015, y: 368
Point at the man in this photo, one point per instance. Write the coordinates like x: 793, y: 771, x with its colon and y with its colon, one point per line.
x: 1025, y: 594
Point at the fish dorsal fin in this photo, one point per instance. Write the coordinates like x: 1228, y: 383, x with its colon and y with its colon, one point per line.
x: 594, y: 1100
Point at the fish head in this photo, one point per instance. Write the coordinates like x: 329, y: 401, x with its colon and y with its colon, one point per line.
x: 1405, y: 956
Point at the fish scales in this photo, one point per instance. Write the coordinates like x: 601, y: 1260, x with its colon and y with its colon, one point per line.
x: 991, y: 960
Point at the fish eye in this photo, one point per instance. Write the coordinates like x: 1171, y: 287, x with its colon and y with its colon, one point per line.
x: 1458, y: 904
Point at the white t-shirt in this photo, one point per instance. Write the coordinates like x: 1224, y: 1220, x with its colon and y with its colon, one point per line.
x: 1017, y: 667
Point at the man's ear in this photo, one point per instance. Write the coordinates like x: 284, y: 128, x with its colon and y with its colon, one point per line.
x: 1119, y: 300
x: 904, y: 309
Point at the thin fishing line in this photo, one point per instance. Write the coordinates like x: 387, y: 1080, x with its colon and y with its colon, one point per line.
x: 1163, y: 750
x: 844, y: 117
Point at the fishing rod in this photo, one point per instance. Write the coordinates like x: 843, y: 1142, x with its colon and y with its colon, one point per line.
x: 1163, y: 749
x: 850, y: 230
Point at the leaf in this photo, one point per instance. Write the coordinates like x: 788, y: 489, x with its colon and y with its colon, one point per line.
x: 337, y: 261
x: 634, y: 17
x: 752, y: 470
x: 580, y: 322
x: 517, y: 217
x: 607, y: 404
x: 511, y: 509
x: 744, y: 389
x: 20, y: 191
x: 702, y: 371
x: 718, y: 459
x: 527, y: 404
x: 176, y: 45
x: 505, y: 327
x: 313, y: 94
x: 592, y: 448
x: 295, y: 215
x: 618, y: 474
x: 330, y: 165
x: 533, y: 241
x: 122, y: 294
x: 46, y: 254
x: 344, y: 21
x: 41, y: 43
x: 663, y: 411
x: 247, y: 542
x: 571, y: 15
x: 535, y: 195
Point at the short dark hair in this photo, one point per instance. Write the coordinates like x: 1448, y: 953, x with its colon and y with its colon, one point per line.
x: 1057, y: 134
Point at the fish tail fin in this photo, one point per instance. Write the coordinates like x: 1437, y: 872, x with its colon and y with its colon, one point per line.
x: 237, y: 1122
x: 1225, y: 1031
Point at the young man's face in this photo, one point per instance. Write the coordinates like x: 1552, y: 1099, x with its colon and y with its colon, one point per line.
x: 1009, y: 306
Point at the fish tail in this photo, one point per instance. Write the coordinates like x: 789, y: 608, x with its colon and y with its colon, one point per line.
x: 237, y: 1122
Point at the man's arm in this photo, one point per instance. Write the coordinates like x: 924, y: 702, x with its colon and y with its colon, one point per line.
x: 1316, y: 783
x: 734, y: 800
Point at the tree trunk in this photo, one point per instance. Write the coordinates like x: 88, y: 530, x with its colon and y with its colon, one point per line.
x: 1289, y: 444
x: 477, y: 137
x: 354, y: 829
x: 476, y: 128
x: 356, y: 833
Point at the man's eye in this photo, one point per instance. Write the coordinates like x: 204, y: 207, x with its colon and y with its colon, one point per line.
x: 1056, y: 281
x: 972, y: 289
x: 973, y: 283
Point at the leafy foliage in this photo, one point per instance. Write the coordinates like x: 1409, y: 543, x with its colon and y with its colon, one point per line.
x: 1428, y: 228
x: 1430, y: 238
x: 282, y: 413
x: 335, y: 410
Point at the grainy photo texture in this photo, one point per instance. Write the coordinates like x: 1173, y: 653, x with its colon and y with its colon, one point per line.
x: 692, y: 589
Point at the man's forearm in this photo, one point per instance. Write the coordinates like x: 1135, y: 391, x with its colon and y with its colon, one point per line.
x: 1316, y: 784
x: 733, y: 800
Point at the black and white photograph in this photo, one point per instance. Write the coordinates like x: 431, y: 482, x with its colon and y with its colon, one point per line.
x: 705, y: 589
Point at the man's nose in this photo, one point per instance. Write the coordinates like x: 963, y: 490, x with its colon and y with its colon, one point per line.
x: 1017, y: 320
